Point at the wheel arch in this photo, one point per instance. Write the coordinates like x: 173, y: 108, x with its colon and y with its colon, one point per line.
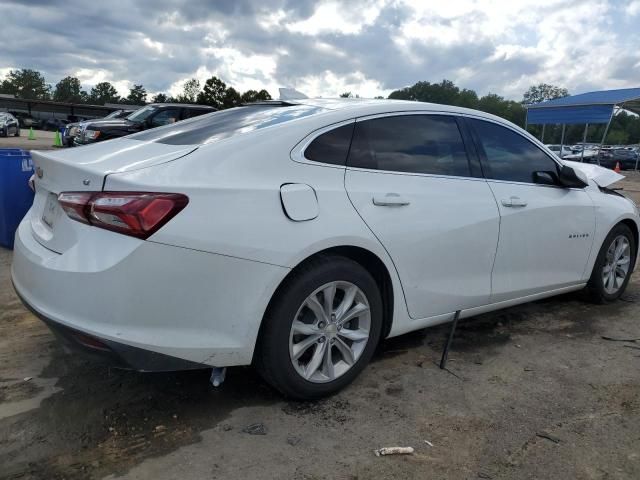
x: 365, y: 258
x: 633, y: 226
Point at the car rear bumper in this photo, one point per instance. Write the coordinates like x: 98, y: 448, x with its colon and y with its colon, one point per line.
x: 113, y: 353
x: 154, y: 306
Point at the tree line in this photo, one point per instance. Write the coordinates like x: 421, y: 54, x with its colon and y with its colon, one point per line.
x: 31, y: 84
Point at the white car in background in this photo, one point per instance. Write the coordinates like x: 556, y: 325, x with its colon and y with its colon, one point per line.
x: 296, y: 235
x: 560, y: 150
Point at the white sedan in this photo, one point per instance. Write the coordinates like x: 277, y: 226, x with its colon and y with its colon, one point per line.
x: 296, y: 235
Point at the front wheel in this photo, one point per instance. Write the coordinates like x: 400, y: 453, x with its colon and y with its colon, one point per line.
x: 321, y: 330
x: 613, y: 266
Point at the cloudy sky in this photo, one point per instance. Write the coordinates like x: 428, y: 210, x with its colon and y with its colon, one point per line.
x: 324, y: 48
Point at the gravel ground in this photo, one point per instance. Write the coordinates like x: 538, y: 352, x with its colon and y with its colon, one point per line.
x: 44, y: 140
x: 531, y: 392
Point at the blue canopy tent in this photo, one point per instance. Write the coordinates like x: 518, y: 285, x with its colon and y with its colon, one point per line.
x: 587, y: 108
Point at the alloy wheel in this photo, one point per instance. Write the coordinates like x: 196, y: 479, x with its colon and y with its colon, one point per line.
x: 616, y: 265
x: 330, y: 332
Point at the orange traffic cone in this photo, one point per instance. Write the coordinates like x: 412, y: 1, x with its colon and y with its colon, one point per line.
x: 617, y: 169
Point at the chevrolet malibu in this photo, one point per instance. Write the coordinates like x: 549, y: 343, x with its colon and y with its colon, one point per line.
x: 296, y: 235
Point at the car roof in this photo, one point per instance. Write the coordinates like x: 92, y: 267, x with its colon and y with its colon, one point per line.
x: 363, y: 107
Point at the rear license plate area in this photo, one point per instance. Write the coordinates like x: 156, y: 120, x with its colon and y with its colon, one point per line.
x: 51, y: 210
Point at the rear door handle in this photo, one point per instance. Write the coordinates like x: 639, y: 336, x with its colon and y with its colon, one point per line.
x: 390, y: 200
x: 514, y: 202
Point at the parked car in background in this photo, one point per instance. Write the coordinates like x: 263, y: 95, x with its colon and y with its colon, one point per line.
x: 74, y: 129
x: 25, y: 120
x: 150, y: 116
x: 9, y: 125
x: 589, y: 155
x: 627, y: 157
x: 295, y: 236
x: 53, y: 124
x: 566, y: 150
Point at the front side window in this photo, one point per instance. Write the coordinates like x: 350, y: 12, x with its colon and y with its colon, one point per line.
x: 428, y: 144
x: 332, y: 146
x: 165, y: 117
x: 141, y: 114
x: 510, y: 156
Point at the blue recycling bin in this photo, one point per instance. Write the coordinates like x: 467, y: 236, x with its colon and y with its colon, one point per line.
x: 15, y: 195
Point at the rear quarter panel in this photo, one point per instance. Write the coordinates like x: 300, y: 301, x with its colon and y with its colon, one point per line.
x: 235, y: 207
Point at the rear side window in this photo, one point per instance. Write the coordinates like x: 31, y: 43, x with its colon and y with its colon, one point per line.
x: 332, y: 146
x: 224, y: 124
x: 429, y: 144
x: 510, y: 156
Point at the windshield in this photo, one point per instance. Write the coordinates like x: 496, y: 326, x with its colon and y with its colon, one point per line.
x: 114, y: 114
x: 142, y: 114
x: 226, y: 123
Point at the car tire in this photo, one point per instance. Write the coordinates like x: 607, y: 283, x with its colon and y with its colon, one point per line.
x: 17, y: 134
x: 606, y: 286
x: 5, y: 132
x: 281, y: 340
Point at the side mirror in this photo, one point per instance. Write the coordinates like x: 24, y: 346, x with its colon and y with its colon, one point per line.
x: 571, y: 178
x: 546, y: 178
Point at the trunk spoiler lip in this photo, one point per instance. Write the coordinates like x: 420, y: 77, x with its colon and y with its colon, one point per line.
x: 97, y: 164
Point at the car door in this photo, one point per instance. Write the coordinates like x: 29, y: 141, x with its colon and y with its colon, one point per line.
x: 411, y: 181
x: 546, y: 230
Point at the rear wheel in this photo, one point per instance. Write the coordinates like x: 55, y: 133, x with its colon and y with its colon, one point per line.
x: 321, y: 330
x: 613, y: 266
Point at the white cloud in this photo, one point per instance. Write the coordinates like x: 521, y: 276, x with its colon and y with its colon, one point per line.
x: 633, y: 8
x: 328, y: 47
x: 328, y: 84
x: 336, y: 17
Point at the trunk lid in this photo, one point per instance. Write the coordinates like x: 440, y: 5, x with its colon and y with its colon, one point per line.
x: 85, y: 169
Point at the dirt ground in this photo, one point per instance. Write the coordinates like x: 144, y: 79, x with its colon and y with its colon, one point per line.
x: 532, y: 392
x: 44, y: 140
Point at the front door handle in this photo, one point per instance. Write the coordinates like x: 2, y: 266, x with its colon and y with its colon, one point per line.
x: 390, y: 200
x: 514, y: 202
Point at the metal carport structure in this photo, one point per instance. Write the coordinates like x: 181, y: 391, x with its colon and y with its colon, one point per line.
x: 586, y: 108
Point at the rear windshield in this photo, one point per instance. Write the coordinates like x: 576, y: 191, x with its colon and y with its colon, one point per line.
x: 224, y: 124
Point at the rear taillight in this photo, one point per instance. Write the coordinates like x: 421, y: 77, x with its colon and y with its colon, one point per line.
x: 139, y: 214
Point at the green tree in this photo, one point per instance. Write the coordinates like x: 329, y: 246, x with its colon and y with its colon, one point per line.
x: 345, y: 95
x: 467, y: 98
x: 68, y: 90
x: 543, y: 92
x: 445, y: 93
x: 104, y: 92
x: 255, y: 96
x: 137, y: 95
x: 213, y: 93
x: 26, y: 83
x: 617, y: 137
x: 160, y: 98
x: 190, y: 91
x: 231, y: 98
